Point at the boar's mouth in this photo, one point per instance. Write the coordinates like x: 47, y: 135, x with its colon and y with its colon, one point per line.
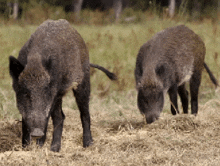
x: 37, y: 133
x: 150, y: 119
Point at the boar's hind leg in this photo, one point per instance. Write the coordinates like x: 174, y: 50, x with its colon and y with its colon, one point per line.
x: 25, y: 135
x: 183, y: 93
x: 194, y: 90
x: 173, y: 98
x: 58, y: 119
x: 82, y: 99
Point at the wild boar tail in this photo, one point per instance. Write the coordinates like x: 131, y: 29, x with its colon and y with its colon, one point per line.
x: 212, y: 77
x: 110, y: 75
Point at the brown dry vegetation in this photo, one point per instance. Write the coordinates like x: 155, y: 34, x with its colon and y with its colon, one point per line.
x: 120, y: 134
x: 121, y: 137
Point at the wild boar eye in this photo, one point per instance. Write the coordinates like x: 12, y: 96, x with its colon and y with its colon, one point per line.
x: 160, y: 70
x: 160, y: 97
x: 48, y: 64
x: 24, y: 93
x: 146, y: 101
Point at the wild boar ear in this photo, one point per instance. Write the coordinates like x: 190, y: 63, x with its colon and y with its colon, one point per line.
x: 48, y: 64
x: 15, y: 67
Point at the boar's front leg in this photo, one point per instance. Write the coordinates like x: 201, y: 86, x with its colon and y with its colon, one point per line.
x: 26, y: 138
x: 82, y: 98
x: 173, y: 98
x: 41, y: 140
x: 58, y: 119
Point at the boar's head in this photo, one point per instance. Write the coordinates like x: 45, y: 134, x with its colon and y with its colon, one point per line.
x: 150, y: 103
x: 32, y: 85
x: 153, y: 83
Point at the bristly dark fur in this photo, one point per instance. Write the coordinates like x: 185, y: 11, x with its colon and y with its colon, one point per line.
x: 164, y: 64
x: 54, y: 60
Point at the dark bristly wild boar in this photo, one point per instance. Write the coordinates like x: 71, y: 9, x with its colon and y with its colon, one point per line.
x: 54, y: 60
x: 164, y: 64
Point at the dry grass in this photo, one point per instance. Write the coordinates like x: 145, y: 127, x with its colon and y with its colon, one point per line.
x: 121, y: 137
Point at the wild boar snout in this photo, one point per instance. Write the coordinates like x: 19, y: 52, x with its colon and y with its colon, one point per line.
x: 37, y: 133
x: 35, y: 120
x: 150, y: 103
x: 151, y: 118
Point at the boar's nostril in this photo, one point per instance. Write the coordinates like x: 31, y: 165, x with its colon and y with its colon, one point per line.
x: 151, y: 119
x: 37, y: 133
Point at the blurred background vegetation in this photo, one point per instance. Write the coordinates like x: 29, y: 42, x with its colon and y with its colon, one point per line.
x: 105, y: 11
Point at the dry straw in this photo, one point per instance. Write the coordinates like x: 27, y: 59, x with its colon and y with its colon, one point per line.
x: 123, y: 139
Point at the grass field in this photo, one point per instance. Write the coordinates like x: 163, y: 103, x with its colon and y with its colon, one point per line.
x: 120, y: 134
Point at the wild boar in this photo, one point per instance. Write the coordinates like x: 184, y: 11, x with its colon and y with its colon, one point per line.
x: 164, y: 64
x: 54, y: 60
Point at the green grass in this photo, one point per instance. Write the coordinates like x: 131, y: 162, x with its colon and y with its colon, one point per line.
x: 112, y: 46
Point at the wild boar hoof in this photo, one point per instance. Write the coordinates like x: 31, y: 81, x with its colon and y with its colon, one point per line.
x: 194, y: 114
x: 55, y: 148
x: 87, y: 142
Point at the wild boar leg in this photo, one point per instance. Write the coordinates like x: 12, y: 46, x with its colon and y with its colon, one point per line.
x: 194, y: 90
x: 58, y: 117
x: 183, y: 93
x: 82, y: 99
x: 41, y: 140
x: 26, y: 138
x: 173, y: 98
